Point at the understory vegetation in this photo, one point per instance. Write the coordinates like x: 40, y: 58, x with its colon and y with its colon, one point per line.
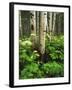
x: 31, y: 63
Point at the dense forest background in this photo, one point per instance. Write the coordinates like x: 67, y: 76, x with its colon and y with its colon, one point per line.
x: 41, y: 44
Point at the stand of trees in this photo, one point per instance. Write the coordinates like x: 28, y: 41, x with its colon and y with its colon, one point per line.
x: 38, y: 24
x: 41, y: 39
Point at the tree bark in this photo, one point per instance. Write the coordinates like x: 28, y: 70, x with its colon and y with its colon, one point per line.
x: 37, y: 28
x: 47, y: 22
x: 50, y: 25
x: 43, y: 24
x: 59, y: 24
x: 33, y: 26
x: 37, y: 23
x: 54, y: 21
x: 20, y: 25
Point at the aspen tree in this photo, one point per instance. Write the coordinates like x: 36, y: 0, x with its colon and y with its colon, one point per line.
x: 50, y: 24
x: 20, y: 24
x: 43, y: 24
x: 54, y: 21
x: 33, y: 26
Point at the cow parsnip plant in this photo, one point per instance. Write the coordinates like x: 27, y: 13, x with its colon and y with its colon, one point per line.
x: 29, y: 59
x: 55, y: 48
x: 53, y: 69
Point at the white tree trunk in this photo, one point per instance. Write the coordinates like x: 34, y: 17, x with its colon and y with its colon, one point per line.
x: 33, y: 22
x: 47, y: 22
x: 20, y: 24
x: 54, y: 20
x: 33, y: 26
x: 37, y: 28
x: 37, y: 23
x: 43, y: 24
x: 50, y: 25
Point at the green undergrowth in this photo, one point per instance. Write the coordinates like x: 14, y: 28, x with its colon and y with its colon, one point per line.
x: 30, y: 64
